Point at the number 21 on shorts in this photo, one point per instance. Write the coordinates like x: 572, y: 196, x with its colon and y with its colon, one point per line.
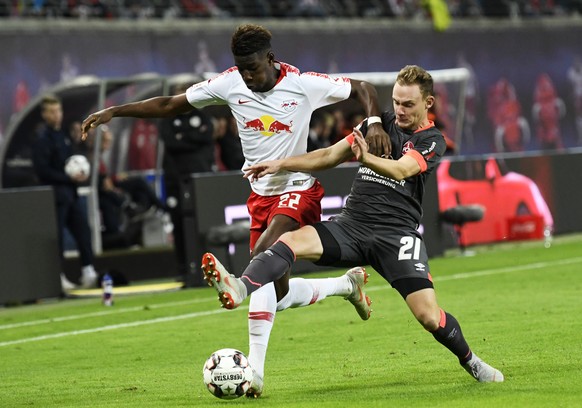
x: 289, y: 200
x: 410, y: 248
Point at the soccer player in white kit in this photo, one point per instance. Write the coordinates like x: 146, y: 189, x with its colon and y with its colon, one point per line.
x: 272, y: 103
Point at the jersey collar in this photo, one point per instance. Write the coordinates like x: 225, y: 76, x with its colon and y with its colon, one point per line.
x: 430, y: 124
x: 282, y: 71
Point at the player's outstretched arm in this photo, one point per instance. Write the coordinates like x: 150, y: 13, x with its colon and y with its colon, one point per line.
x: 158, y: 107
x: 319, y: 159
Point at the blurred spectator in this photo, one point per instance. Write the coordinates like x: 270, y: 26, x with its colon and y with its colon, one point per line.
x: 204, y: 63
x: 321, y: 130
x: 499, y: 8
x: 341, y: 127
x: 228, y: 148
x: 143, y: 145
x: 281, y: 8
x: 254, y: 8
x: 196, y: 8
x: 188, y: 142
x: 547, y: 111
x: 120, y: 215
x: 465, y: 8
x: 512, y: 132
x: 440, y: 125
x: 51, y: 150
x: 69, y: 71
x: 405, y: 9
x: 575, y: 78
x: 308, y: 8
x: 21, y: 96
x: 188, y: 148
x: 471, y: 100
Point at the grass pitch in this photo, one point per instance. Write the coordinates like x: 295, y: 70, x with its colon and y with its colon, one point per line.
x: 519, y: 306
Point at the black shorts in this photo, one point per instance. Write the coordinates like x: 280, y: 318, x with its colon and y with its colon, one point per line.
x: 397, y: 253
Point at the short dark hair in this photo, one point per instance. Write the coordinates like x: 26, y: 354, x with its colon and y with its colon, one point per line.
x: 250, y: 38
x: 49, y: 100
x: 415, y: 75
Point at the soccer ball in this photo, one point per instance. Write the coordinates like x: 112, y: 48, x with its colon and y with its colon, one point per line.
x: 227, y: 374
x: 77, y: 165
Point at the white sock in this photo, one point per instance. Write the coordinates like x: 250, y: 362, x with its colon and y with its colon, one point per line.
x: 304, y: 292
x: 262, y: 309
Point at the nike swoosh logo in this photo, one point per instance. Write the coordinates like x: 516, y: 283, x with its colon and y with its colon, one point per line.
x: 241, y: 102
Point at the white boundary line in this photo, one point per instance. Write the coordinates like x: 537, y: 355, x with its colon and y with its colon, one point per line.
x: 486, y: 272
x: 116, y: 326
x: 104, y: 313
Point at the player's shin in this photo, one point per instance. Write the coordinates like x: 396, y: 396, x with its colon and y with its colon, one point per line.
x: 268, y: 266
x: 262, y: 309
x: 449, y: 334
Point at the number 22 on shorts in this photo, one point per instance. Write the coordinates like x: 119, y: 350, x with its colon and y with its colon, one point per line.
x: 289, y: 200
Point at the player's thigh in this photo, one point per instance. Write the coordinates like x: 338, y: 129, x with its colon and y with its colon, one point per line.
x: 279, y: 225
x: 399, y: 253
x: 304, y: 243
x: 344, y: 241
x: 272, y: 216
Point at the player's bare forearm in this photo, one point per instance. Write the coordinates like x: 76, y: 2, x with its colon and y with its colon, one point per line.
x: 377, y: 139
x: 320, y: 159
x: 158, y: 107
x: 367, y: 95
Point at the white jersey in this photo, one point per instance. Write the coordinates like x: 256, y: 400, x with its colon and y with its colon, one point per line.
x: 273, y: 124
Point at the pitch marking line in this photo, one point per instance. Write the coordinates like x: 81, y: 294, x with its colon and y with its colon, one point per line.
x: 105, y: 313
x: 486, y: 272
x: 117, y: 326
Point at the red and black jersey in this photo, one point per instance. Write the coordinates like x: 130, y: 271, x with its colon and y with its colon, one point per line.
x: 377, y: 199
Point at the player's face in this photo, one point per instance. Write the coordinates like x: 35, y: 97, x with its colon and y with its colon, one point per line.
x: 257, y: 71
x: 52, y: 114
x: 410, y: 107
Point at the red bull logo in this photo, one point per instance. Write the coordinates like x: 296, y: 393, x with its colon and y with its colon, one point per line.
x: 268, y: 126
x: 278, y: 127
x: 255, y: 124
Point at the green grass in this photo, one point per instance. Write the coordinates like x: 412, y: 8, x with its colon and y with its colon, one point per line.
x: 519, y: 306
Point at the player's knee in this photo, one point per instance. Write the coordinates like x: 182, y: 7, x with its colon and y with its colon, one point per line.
x: 288, y: 238
x: 428, y: 319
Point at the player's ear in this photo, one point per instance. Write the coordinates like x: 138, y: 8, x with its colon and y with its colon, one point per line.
x: 270, y: 57
x: 429, y: 102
